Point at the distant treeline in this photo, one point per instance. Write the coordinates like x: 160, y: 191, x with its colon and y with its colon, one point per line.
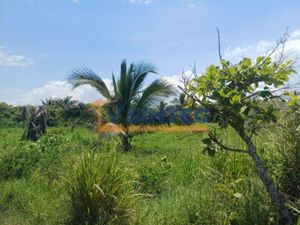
x: 68, y: 113
x: 169, y: 115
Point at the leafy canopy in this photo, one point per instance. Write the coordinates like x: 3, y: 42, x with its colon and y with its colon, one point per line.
x: 239, y: 94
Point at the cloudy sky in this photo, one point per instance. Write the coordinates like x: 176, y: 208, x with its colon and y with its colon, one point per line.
x: 42, y: 41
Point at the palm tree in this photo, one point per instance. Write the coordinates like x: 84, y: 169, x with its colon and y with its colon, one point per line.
x: 180, y: 101
x: 163, y: 116
x: 37, y: 124
x: 128, y: 92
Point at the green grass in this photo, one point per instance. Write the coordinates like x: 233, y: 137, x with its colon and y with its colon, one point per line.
x: 177, y: 184
x: 100, y: 190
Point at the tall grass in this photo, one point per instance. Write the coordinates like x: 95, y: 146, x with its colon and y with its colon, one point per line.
x: 100, y: 192
x: 180, y: 185
x: 284, y: 143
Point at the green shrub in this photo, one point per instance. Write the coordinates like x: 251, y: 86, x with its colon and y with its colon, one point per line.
x: 100, y: 192
x: 20, y: 161
x: 153, y: 178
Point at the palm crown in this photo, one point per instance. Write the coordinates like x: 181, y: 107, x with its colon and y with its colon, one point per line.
x: 128, y: 89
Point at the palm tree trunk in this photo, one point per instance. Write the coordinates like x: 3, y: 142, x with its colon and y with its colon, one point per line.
x: 125, y: 140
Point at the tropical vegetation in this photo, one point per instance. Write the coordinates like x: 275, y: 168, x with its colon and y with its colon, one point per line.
x: 128, y: 92
x: 225, y: 150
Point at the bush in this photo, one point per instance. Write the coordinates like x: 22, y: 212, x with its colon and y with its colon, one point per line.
x: 22, y: 160
x: 153, y: 178
x: 19, y: 162
x: 100, y: 192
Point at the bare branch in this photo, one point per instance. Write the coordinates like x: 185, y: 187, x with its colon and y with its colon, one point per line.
x: 258, y: 92
x: 215, y: 140
x: 280, y: 43
x: 219, y: 44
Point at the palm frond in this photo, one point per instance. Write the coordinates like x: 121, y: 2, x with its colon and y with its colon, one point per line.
x: 154, y: 92
x: 84, y: 76
x: 141, y: 71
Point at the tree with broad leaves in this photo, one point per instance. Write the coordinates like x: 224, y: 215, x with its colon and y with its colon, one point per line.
x: 242, y: 96
x: 128, y: 90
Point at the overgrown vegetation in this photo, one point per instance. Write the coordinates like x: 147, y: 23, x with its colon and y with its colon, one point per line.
x: 69, y: 175
x: 175, y: 182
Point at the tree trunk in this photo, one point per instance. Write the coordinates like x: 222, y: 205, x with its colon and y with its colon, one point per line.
x: 286, y: 217
x: 125, y: 142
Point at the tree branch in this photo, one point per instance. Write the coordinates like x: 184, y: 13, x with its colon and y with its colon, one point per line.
x: 219, y: 44
x: 215, y: 140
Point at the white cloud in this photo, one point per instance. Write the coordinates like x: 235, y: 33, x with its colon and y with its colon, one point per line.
x: 76, y: 1
x: 175, y: 80
x: 191, y: 4
x: 53, y: 89
x: 8, y: 58
x: 262, y: 47
x: 295, y: 34
x: 294, y: 44
x: 61, y: 89
x: 239, y: 50
x: 141, y: 2
x: 108, y: 84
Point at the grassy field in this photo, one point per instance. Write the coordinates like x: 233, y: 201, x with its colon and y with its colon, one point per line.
x: 174, y: 182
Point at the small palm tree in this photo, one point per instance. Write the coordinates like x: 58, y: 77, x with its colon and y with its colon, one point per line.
x: 128, y: 90
x: 37, y: 124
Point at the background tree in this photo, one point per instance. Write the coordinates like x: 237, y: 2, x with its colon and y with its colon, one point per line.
x: 180, y: 101
x: 66, y: 111
x: 163, y: 115
x: 127, y: 90
x: 37, y: 124
x: 24, y: 115
x: 242, y: 96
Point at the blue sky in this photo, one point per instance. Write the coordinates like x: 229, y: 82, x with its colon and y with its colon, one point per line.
x: 41, y: 41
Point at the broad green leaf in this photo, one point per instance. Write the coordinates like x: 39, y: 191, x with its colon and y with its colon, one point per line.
x: 235, y: 99
x: 207, y: 141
